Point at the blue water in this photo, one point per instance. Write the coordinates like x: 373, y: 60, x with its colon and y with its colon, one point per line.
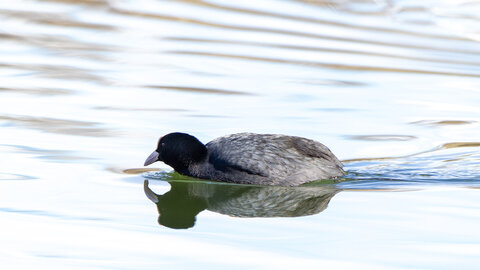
x: 87, y: 87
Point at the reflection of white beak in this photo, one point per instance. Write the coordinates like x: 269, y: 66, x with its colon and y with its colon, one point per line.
x: 152, y: 158
x: 150, y: 194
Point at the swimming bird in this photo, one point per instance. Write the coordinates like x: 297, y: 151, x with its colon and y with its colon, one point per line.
x: 249, y: 158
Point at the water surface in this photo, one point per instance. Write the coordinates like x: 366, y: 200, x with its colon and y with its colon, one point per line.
x: 87, y: 87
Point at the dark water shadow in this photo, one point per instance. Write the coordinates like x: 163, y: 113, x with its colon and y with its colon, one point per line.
x: 179, y: 207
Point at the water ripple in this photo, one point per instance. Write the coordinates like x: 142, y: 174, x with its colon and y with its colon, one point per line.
x: 382, y: 137
x: 14, y: 176
x: 292, y: 33
x: 325, y: 64
x: 59, y: 72
x: 297, y: 18
x: 56, y: 19
x: 322, y: 49
x: 449, y: 164
x: 37, y: 91
x: 198, y: 90
x: 49, y: 214
x: 45, y: 154
x: 60, y: 126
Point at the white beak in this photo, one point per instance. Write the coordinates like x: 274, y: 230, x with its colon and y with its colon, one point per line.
x: 152, y: 158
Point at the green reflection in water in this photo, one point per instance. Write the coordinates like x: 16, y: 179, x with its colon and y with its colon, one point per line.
x: 179, y: 206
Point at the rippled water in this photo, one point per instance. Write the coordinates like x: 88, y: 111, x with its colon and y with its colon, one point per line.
x: 87, y: 87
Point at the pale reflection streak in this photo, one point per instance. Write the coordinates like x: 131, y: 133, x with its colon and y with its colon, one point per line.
x: 443, y: 146
x: 333, y: 4
x: 324, y: 64
x: 59, y: 126
x: 45, y: 154
x: 382, y: 137
x: 442, y: 122
x: 55, y: 19
x: 15, y: 177
x: 139, y: 109
x: 69, y: 72
x: 37, y: 91
x: 60, y: 72
x: 319, y: 49
x: 291, y: 33
x: 57, y: 42
x: 198, y: 90
x: 341, y: 6
x: 455, y: 163
x: 89, y: 3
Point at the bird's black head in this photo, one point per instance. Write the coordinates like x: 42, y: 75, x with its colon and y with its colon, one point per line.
x: 178, y: 150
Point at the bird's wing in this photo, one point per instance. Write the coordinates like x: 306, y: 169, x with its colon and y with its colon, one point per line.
x: 267, y: 155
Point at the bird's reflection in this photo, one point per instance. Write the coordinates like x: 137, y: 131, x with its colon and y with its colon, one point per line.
x: 179, y: 207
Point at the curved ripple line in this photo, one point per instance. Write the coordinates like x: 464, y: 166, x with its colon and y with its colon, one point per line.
x: 59, y: 72
x: 14, y: 176
x: 319, y: 49
x: 320, y: 21
x: 324, y: 64
x: 287, y: 32
x: 55, y: 19
x: 37, y: 91
x: 198, y: 90
x: 59, y: 126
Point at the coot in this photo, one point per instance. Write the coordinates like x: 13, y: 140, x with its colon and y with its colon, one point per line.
x: 249, y: 158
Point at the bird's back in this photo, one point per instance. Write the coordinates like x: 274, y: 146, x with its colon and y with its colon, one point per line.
x: 270, y: 159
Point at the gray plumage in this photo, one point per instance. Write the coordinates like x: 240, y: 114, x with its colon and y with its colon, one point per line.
x: 248, y: 158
